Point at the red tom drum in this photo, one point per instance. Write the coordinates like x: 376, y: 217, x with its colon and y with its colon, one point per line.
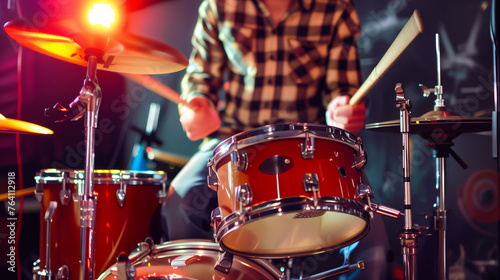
x: 126, y: 202
x: 288, y: 190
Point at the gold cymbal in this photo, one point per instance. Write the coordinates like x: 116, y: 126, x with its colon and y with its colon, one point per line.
x: 122, y: 52
x: 437, y: 124
x: 17, y: 126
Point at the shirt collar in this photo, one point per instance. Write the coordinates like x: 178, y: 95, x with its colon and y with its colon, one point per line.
x: 306, y: 4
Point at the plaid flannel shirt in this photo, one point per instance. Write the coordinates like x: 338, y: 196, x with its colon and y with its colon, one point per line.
x: 273, y: 72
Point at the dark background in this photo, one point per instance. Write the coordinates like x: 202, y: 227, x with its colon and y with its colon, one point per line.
x: 31, y: 82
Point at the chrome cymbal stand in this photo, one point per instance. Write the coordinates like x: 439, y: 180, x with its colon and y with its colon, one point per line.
x: 90, y: 97
x: 408, y: 236
x: 441, y: 144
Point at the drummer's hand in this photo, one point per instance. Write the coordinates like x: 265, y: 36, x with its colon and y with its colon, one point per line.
x: 199, y: 118
x: 342, y: 115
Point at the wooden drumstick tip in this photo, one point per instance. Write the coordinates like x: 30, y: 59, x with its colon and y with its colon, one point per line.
x: 410, y: 31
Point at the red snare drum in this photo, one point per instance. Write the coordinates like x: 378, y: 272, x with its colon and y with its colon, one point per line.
x: 126, y: 201
x: 191, y: 259
x: 288, y: 190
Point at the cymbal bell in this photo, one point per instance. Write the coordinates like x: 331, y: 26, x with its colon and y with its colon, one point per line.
x: 17, y: 126
x: 437, y: 124
x: 123, y: 52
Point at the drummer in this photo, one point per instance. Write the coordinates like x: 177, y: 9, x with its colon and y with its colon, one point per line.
x: 256, y: 63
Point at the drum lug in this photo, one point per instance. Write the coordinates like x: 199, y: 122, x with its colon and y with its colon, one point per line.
x: 162, y: 194
x: 216, y: 217
x: 225, y: 262
x: 360, y: 156
x: 65, y: 194
x: 46, y: 273
x: 120, y: 195
x: 244, y: 195
x: 63, y: 273
x: 240, y: 160
x: 307, y: 148
x: 311, y: 184
x: 39, y: 191
x: 212, y: 180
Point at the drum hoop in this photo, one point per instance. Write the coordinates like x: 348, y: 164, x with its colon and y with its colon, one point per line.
x: 294, y: 204
x: 102, y: 176
x: 186, y: 245
x: 280, y: 132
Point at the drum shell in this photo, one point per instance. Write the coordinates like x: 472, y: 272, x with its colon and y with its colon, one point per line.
x: 197, y: 261
x: 116, y: 228
x: 332, y: 162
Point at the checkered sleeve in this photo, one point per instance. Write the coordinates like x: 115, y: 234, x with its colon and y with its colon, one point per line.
x: 204, y: 72
x: 344, y: 71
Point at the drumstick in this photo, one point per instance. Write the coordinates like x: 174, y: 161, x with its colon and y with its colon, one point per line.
x: 409, y: 32
x: 156, y: 86
x: 18, y: 193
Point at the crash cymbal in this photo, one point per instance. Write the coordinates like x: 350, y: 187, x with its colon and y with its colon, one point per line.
x: 437, y: 123
x: 122, y: 52
x: 17, y: 126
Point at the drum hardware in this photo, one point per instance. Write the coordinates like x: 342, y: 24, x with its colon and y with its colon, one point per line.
x: 311, y: 185
x: 366, y: 193
x: 125, y: 271
x: 243, y: 195
x: 120, y: 195
x: 224, y: 262
x: 212, y: 180
x: 307, y: 148
x: 216, y: 218
x: 144, y: 249
x: 360, y: 156
x: 46, y: 273
x: 63, y: 272
x: 409, y: 235
x: 240, y: 160
x: 336, y: 271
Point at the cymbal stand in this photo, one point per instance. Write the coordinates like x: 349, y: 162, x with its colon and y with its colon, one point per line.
x: 90, y: 96
x: 441, y: 145
x: 408, y: 236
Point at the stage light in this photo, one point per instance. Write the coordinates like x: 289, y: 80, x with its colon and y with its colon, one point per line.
x: 101, y: 14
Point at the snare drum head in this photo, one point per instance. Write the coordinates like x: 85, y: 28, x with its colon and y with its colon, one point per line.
x: 194, y: 259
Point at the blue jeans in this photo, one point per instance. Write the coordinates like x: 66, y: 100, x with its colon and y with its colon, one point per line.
x: 186, y: 211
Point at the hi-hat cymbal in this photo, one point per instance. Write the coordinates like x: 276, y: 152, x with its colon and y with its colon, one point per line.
x: 437, y: 124
x: 17, y: 126
x: 123, y: 52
